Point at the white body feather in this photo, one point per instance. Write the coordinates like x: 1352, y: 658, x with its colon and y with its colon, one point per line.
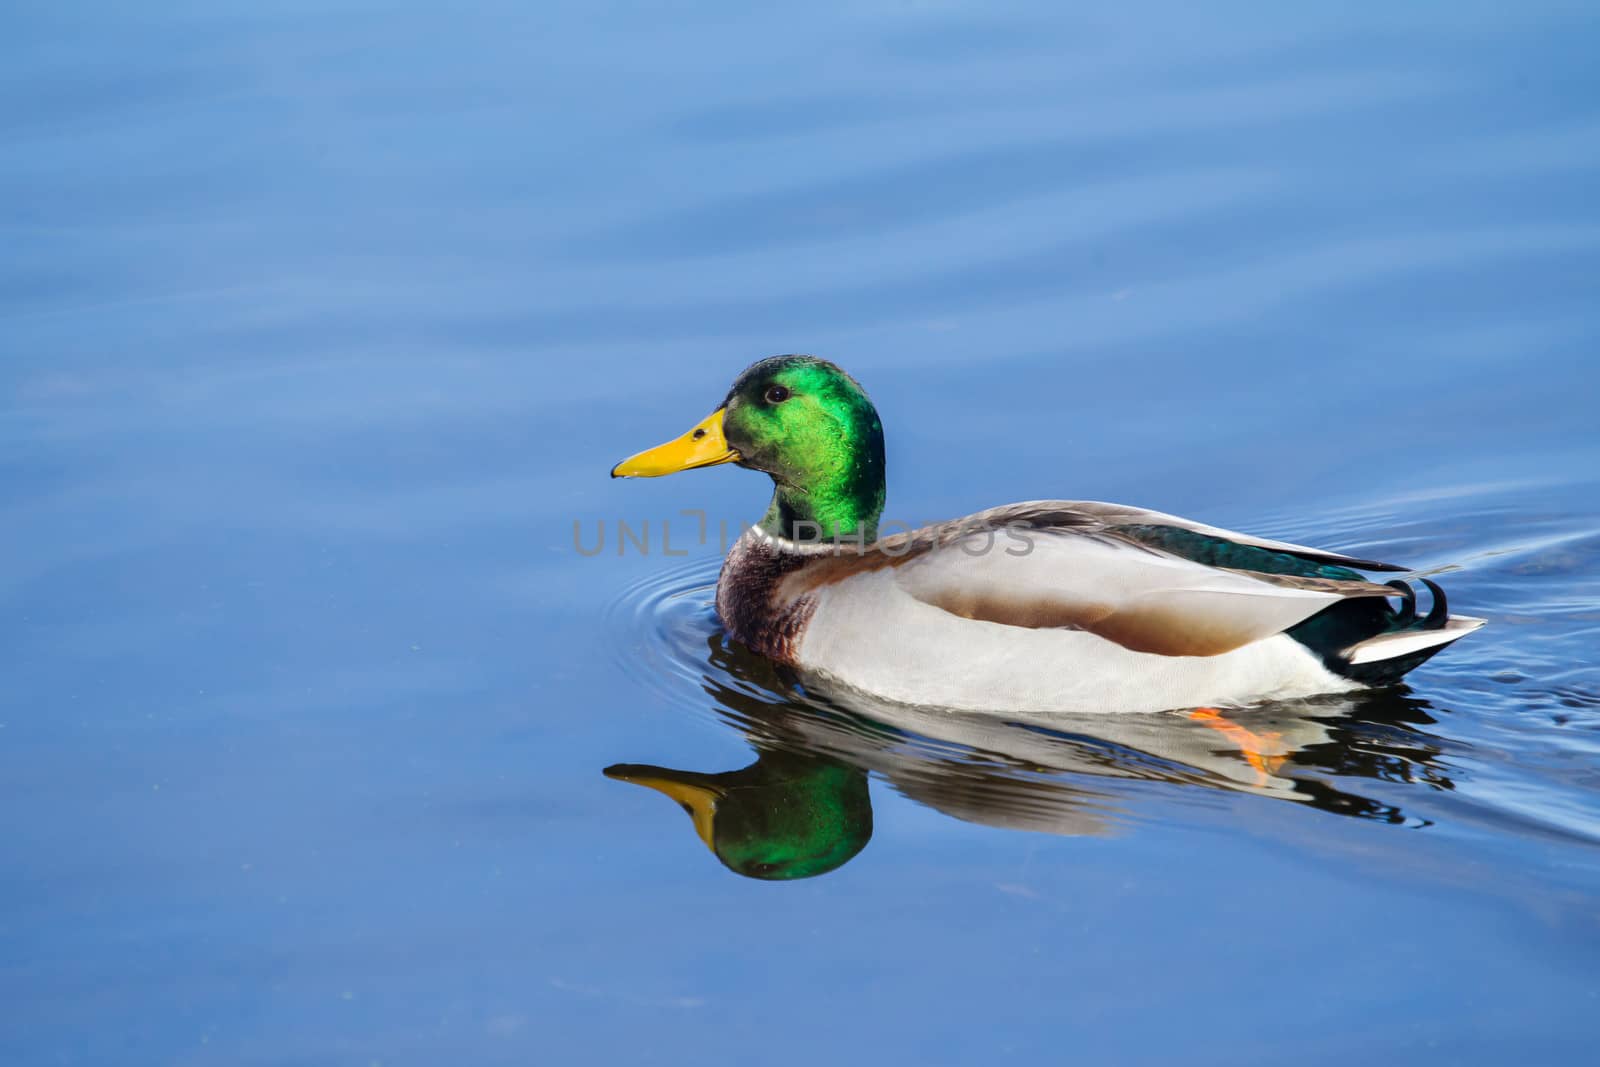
x: 870, y: 634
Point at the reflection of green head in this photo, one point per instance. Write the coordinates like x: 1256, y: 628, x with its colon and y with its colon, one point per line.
x: 784, y: 816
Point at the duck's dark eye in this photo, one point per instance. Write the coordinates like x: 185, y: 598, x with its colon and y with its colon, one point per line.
x: 777, y: 394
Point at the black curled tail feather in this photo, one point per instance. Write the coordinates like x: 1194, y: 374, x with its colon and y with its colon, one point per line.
x: 1439, y: 614
x: 1408, y: 602
x: 1331, y: 632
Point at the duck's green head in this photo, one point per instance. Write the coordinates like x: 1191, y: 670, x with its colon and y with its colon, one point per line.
x: 782, y: 817
x: 808, y: 425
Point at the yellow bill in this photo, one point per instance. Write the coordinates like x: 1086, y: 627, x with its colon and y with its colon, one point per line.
x: 703, y: 446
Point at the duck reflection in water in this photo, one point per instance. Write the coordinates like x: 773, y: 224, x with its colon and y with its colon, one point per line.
x: 790, y: 814
x: 803, y: 807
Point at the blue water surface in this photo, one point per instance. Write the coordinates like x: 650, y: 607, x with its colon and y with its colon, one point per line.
x: 322, y: 324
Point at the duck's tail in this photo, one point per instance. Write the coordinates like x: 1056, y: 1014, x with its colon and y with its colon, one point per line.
x: 1369, y: 641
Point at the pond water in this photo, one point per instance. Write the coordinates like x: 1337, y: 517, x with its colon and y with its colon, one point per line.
x: 322, y: 326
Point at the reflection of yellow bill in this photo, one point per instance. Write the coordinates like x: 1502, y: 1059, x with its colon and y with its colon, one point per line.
x: 703, y: 446
x: 700, y: 801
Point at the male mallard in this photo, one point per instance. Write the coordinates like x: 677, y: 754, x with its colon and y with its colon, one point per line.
x: 1048, y: 605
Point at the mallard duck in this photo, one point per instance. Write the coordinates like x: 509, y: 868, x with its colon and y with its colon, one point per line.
x: 1042, y: 606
